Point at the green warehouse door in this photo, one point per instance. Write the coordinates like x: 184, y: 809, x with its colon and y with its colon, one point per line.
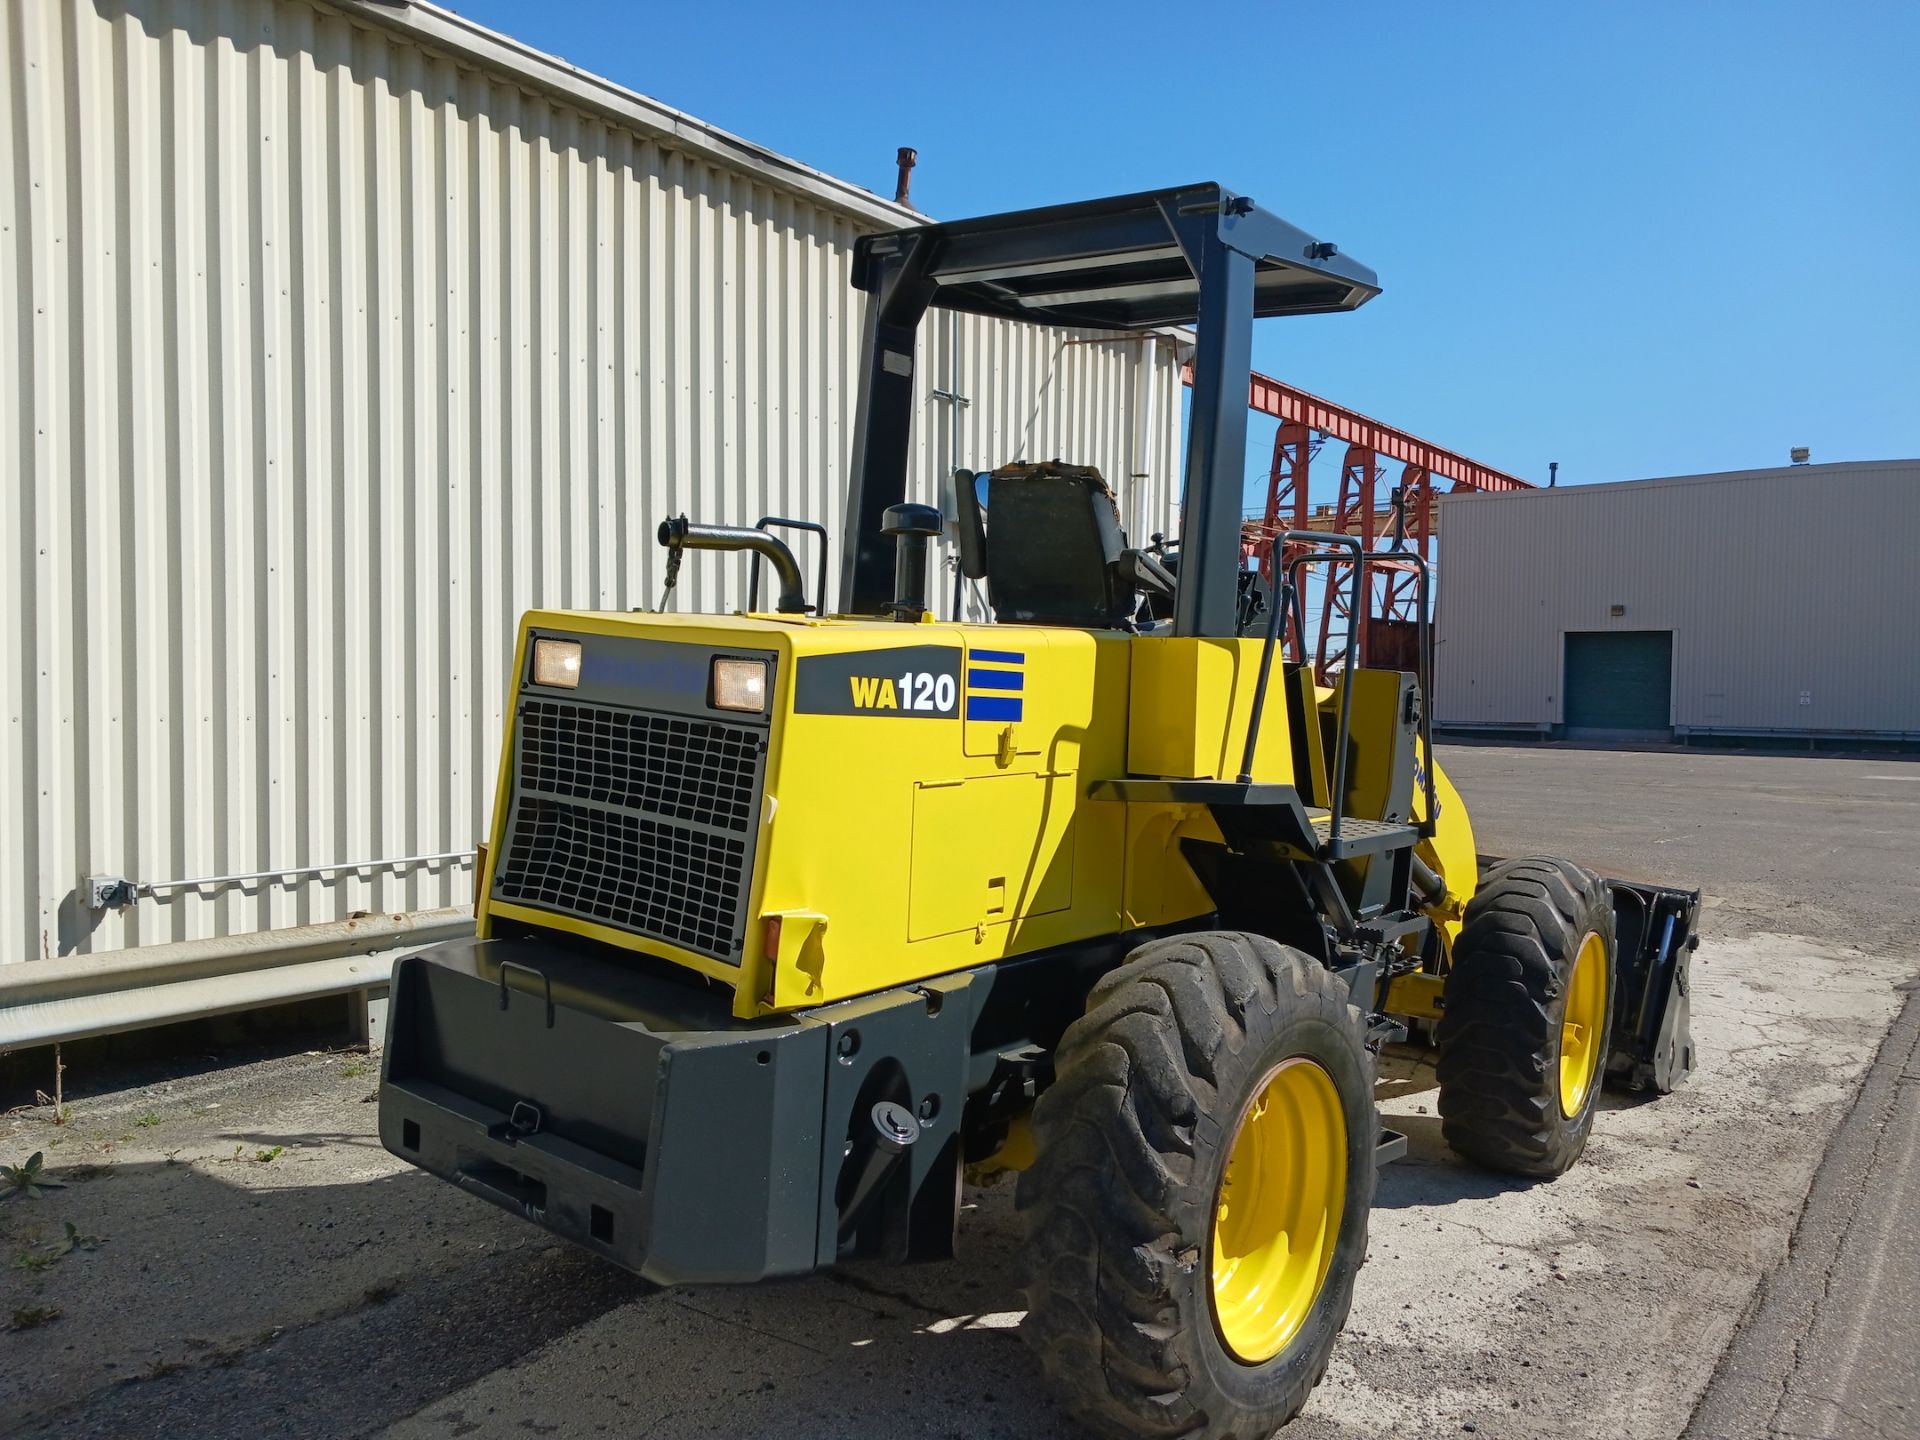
x: 1619, y: 683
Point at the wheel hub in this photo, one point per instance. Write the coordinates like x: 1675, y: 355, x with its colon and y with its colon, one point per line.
x: 1581, y: 1042
x: 1277, y: 1216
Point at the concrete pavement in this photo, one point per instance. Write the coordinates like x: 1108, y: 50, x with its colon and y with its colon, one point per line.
x: 325, y: 1289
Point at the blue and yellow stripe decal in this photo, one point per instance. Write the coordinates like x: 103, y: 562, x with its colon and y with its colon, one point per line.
x: 996, y: 684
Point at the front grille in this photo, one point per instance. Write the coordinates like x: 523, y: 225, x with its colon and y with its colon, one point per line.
x: 662, y: 880
x: 641, y: 821
x: 699, y: 770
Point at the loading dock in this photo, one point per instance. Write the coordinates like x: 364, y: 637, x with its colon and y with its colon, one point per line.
x: 1619, y: 684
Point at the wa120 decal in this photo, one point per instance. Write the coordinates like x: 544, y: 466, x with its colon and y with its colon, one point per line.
x: 915, y: 682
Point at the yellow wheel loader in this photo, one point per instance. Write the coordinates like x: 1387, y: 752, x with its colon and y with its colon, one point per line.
x: 790, y: 920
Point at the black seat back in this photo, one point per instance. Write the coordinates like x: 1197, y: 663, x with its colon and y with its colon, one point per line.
x: 1052, y: 543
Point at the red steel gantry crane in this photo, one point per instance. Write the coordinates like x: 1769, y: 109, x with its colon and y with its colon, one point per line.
x: 1387, y: 638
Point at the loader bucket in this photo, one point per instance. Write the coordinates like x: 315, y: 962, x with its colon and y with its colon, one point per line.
x: 1652, y: 1042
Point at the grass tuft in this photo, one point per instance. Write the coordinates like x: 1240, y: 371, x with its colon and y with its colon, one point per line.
x: 32, y: 1317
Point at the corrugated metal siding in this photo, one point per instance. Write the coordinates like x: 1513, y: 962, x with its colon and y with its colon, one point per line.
x: 330, y: 356
x: 1776, y: 583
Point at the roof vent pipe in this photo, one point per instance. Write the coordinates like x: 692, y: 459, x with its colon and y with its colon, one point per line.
x: 905, y: 157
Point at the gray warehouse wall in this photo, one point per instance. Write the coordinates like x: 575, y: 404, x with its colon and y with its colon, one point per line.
x: 1793, y: 596
x: 342, y: 335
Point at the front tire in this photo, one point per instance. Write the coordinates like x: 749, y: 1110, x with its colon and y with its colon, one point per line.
x: 1198, y: 1207
x: 1528, y: 1011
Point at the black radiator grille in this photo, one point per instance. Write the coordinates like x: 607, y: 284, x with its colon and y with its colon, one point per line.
x: 641, y: 821
x: 699, y: 770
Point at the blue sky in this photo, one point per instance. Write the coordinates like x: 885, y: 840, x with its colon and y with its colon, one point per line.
x: 1639, y: 239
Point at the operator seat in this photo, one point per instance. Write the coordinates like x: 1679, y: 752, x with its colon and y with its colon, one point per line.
x: 1050, y: 546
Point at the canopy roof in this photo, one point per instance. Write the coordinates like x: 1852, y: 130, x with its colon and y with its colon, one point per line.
x: 1126, y: 263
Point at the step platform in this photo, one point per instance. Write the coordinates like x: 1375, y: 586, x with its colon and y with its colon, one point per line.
x: 1306, y: 826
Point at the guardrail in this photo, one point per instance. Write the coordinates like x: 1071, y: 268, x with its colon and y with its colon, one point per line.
x: 44, y: 1002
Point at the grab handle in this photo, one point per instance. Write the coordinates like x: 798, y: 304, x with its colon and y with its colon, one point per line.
x: 506, y: 965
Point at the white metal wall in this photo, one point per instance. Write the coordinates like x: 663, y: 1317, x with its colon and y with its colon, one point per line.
x: 1791, y: 594
x: 324, y: 352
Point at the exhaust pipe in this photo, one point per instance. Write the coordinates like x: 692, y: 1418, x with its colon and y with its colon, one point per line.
x: 680, y: 533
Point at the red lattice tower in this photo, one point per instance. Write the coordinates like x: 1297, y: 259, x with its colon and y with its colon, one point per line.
x: 1293, y: 451
x: 1392, y: 600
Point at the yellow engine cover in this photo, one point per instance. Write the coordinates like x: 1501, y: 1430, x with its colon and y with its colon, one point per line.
x: 930, y: 785
x: 925, y: 799
x: 925, y: 803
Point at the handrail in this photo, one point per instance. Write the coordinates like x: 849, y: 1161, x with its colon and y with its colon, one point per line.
x: 1275, y: 615
x: 753, y: 573
x: 1356, y: 602
x: 1290, y: 600
x: 1425, y: 659
x: 1424, y: 677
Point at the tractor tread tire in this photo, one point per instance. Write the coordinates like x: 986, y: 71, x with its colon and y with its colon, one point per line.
x: 1499, y: 1032
x: 1117, y: 1206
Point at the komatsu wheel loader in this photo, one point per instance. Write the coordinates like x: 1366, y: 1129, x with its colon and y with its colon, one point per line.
x: 789, y: 921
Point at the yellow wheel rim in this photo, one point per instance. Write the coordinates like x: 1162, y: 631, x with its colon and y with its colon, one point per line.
x: 1580, y: 1039
x: 1277, y: 1218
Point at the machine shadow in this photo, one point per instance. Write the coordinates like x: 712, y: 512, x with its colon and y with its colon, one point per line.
x: 1431, y: 1174
x: 276, y: 1286
x: 228, y: 1297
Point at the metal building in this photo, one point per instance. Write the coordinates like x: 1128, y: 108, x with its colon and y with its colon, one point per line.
x: 339, y: 334
x: 1754, y: 603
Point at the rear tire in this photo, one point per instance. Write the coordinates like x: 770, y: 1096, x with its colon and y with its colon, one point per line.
x: 1155, y: 1089
x: 1518, y: 1030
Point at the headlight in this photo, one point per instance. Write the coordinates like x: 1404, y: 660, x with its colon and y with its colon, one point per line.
x: 739, y: 685
x: 556, y: 662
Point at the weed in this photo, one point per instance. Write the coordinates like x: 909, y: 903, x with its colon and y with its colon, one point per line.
x: 27, y: 1180
x: 270, y: 1154
x: 32, y: 1317
x: 73, y: 1240
x: 148, y: 1120
x: 55, y: 1251
x: 353, y: 1069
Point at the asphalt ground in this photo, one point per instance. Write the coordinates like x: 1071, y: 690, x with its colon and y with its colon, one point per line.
x: 251, y: 1262
x: 1829, y: 1349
